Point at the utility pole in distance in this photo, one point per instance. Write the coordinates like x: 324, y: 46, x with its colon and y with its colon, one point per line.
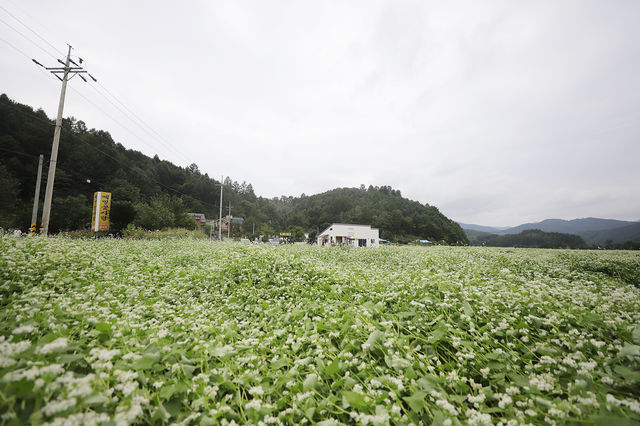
x: 66, y: 70
x: 229, y: 225
x: 220, y: 222
x: 36, y: 198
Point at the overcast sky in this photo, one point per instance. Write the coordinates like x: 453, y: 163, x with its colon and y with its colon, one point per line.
x: 498, y: 113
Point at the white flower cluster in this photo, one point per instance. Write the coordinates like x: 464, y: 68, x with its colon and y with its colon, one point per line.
x: 24, y: 329
x: 9, y: 350
x: 57, y: 345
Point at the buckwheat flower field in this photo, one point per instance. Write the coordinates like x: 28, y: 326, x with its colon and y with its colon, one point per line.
x: 193, y: 332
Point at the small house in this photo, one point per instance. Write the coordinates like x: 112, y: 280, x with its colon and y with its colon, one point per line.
x: 199, y: 218
x: 344, y: 234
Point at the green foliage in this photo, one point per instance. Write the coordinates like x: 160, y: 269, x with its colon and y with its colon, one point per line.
x: 627, y: 271
x: 9, y: 188
x: 70, y: 212
x: 155, y: 215
x: 80, y: 234
x: 122, y: 214
x: 133, y: 233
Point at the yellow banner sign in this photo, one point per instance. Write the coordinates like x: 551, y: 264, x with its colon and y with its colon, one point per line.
x: 101, y: 209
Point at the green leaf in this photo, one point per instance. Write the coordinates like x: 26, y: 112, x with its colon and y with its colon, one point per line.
x: 437, y: 334
x: 416, y: 401
x: 630, y: 351
x: 612, y: 421
x: 635, y: 335
x: 467, y: 308
x: 309, y: 412
x: 354, y: 399
x: 627, y: 374
x: 374, y: 337
x: 333, y: 367
x: 543, y: 401
x: 519, y: 379
x: 495, y: 366
x: 310, y: 382
x: 428, y: 382
x: 103, y: 327
x: 68, y: 358
x: 207, y: 421
x: 145, y: 362
x: 96, y: 399
x: 173, y: 407
x: 278, y: 364
x: 168, y: 391
x: 188, y: 369
x: 410, y: 373
x: 330, y: 422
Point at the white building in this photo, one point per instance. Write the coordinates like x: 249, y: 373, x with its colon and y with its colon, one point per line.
x: 348, y: 234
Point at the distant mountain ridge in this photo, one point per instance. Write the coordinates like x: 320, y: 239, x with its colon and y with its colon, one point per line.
x: 593, y: 230
x: 616, y: 235
x: 575, y: 226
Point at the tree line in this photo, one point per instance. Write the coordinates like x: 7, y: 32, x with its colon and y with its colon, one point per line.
x: 533, y: 238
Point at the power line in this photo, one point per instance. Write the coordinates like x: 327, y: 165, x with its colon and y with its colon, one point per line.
x: 16, y: 48
x: 28, y: 39
x: 130, y: 119
x: 102, y: 152
x: 114, y: 119
x: 144, y: 126
x: 30, y: 29
x: 140, y: 122
x: 89, y: 101
x: 148, y: 128
x: 70, y: 172
x: 18, y: 153
x: 43, y: 26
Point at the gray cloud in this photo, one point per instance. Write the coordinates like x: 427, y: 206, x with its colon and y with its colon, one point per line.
x: 496, y: 112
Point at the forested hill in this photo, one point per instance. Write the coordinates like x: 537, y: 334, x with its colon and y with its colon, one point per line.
x: 154, y: 193
x: 528, y: 238
x: 397, y: 218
